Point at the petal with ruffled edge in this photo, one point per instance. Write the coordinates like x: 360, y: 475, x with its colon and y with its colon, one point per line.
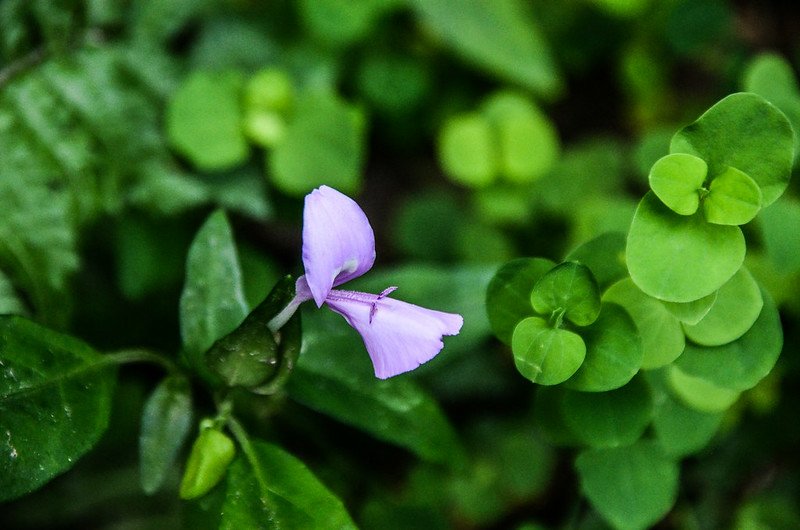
x: 338, y: 242
x: 399, y: 336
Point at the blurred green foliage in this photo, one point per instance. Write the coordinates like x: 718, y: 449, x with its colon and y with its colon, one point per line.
x: 473, y: 134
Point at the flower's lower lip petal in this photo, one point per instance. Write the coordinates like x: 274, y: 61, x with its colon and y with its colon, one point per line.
x: 338, y: 242
x: 401, y: 336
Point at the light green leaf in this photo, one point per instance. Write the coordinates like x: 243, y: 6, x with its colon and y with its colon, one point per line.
x: 166, y: 420
x: 55, y: 402
x: 613, y: 352
x: 204, y: 120
x: 10, y: 304
x: 680, y: 258
x: 740, y: 364
x: 691, y: 312
x: 677, y: 179
x: 776, y: 222
x: 334, y: 376
x: 545, y: 355
x: 212, y: 303
x: 468, y: 151
x: 736, y: 308
x: 323, y: 144
x: 699, y: 393
x: 746, y: 132
x: 211, y: 454
x: 662, y: 337
x: 508, y: 297
x: 733, y: 198
x: 498, y: 36
x: 270, y: 488
x: 569, y: 289
x: 528, y: 141
x: 609, y: 419
x: 605, y: 257
x: 632, y: 487
x: 342, y: 22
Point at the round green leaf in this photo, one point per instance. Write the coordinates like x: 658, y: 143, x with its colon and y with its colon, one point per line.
x: 323, y: 144
x: 609, y: 419
x: 270, y: 89
x: 55, y: 402
x: 677, y: 179
x: 529, y: 143
x: 662, y: 337
x: 733, y: 198
x: 605, y: 257
x: 680, y: 258
x: 691, y: 312
x: 508, y: 297
x: 204, y: 120
x: 699, y: 393
x: 631, y: 487
x: 545, y: 355
x: 679, y: 430
x: 737, y: 307
x: 746, y: 132
x: 613, y: 352
x: 467, y: 150
x: 571, y: 288
x: 740, y: 364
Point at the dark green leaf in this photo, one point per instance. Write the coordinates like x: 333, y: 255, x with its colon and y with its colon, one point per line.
x: 269, y: 488
x: 508, y: 297
x: 605, y: 257
x: 55, y: 400
x: 212, y: 303
x: 632, y: 487
x: 334, y: 376
x: 166, y: 420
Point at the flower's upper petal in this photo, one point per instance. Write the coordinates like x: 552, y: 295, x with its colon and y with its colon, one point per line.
x: 399, y: 336
x: 338, y: 242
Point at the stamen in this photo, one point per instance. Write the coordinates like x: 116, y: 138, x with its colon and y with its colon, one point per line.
x: 374, y: 308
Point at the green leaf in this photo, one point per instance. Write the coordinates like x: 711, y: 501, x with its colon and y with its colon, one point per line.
x: 632, y: 487
x: 776, y: 222
x: 680, y: 258
x: 733, y: 198
x: 342, y: 22
x: 677, y: 179
x: 679, y: 430
x: 467, y: 150
x: 528, y: 141
x: 508, y: 297
x: 568, y: 288
x: 498, y: 37
x: 613, y: 352
x: 545, y: 355
x: 605, y: 257
x: 270, y: 488
x: 212, y: 303
x: 549, y: 417
x: 740, y: 364
x: 691, y: 312
x: 10, y: 304
x: 699, y: 393
x: 609, y: 419
x: 334, y: 376
x: 166, y: 420
x: 208, y: 462
x: 55, y: 402
x: 662, y: 337
x: 324, y: 144
x: 748, y: 133
x: 736, y: 308
x: 204, y: 120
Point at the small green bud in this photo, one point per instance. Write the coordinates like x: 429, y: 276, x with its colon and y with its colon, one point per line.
x: 211, y: 454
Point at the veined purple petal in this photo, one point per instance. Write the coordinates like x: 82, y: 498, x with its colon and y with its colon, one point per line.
x: 399, y: 336
x: 338, y: 242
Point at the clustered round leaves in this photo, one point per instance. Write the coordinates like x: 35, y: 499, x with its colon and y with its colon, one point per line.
x: 663, y: 328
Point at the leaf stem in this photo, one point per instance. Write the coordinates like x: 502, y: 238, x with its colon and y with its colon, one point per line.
x: 250, y: 454
x: 140, y: 355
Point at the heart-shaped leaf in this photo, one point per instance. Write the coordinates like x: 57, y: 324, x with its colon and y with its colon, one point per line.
x: 680, y: 258
x: 545, y: 355
x: 733, y: 198
x: 677, y: 180
x: 571, y: 288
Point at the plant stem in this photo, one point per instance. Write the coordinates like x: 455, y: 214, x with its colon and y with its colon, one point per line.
x: 140, y: 355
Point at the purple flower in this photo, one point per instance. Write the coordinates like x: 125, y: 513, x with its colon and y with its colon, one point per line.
x: 339, y: 245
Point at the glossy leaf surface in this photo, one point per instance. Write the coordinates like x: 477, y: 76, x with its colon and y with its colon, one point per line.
x: 546, y: 355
